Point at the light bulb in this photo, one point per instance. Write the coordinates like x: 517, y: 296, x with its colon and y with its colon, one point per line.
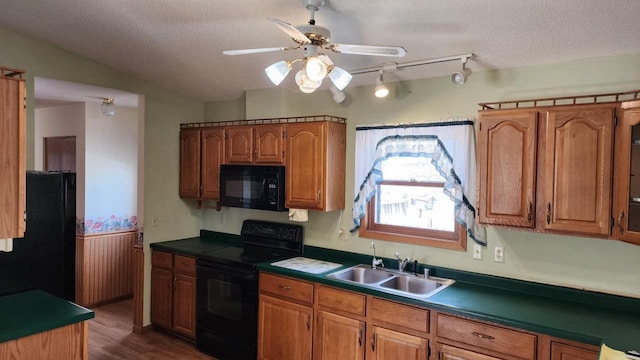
x: 305, y: 84
x: 381, y: 91
x: 315, y: 69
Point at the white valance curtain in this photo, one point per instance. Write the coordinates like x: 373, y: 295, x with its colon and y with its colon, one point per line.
x: 449, y: 144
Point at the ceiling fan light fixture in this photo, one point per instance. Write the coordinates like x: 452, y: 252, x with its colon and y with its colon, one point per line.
x: 278, y: 71
x: 340, y: 77
x: 107, y: 107
x: 315, y: 69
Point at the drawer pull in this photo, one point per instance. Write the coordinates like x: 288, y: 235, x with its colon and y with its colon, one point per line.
x: 482, y: 336
x: 284, y: 287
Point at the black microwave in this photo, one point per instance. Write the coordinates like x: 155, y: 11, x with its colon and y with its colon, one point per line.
x: 252, y: 187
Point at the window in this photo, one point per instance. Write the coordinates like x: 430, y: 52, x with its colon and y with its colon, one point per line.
x: 409, y: 205
x: 416, y: 183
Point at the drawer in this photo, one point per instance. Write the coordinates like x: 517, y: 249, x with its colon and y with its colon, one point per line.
x: 341, y: 300
x: 404, y: 316
x: 287, y: 288
x: 505, y: 341
x: 162, y: 259
x: 184, y: 265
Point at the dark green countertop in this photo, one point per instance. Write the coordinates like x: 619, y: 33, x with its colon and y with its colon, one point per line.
x: 572, y: 314
x: 207, y: 241
x: 35, y: 311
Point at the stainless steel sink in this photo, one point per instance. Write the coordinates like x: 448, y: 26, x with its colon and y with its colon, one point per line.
x: 391, y: 281
x: 413, y: 284
x: 363, y: 274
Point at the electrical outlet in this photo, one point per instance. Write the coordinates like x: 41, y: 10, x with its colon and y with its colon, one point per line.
x: 154, y: 221
x: 498, y: 255
x: 477, y: 251
x: 343, y: 234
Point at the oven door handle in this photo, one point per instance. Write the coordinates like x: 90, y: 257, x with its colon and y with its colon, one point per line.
x: 225, y: 269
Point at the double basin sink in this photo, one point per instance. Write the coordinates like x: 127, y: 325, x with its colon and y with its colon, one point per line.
x: 391, y: 281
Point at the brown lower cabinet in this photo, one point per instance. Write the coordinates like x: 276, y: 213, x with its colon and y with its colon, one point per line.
x: 304, y: 320
x: 173, y: 293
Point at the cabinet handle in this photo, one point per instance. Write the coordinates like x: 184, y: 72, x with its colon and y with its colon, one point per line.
x: 620, y: 222
x: 247, y: 150
x: 482, y: 336
x: 360, y: 338
x: 318, y: 197
x: 284, y: 287
x: 175, y: 281
x: 529, y: 212
x: 308, y: 322
x: 548, y: 213
x: 373, y: 342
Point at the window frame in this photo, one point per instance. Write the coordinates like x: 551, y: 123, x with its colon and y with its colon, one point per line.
x: 456, y: 240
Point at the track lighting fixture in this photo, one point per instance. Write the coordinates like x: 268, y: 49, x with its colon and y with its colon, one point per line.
x: 460, y: 77
x: 107, y: 107
x: 381, y: 89
x: 338, y: 96
x: 457, y: 78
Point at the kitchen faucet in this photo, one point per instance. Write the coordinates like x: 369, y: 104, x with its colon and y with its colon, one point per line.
x: 375, y: 262
x: 401, y: 263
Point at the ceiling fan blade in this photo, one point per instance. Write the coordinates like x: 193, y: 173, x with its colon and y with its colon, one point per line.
x: 291, y: 30
x: 254, y: 51
x: 375, y: 50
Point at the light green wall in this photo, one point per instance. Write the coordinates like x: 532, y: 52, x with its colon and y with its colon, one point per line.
x: 163, y: 111
x: 596, y: 264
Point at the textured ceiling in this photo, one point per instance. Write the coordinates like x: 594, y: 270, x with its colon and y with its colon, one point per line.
x: 178, y: 44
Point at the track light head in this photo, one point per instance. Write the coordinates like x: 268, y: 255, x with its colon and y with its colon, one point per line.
x: 460, y: 77
x: 381, y: 89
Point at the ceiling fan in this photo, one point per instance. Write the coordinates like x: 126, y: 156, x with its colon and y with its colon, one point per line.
x: 313, y: 39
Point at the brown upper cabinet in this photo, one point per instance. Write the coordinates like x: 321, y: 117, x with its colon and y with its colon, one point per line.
x: 312, y: 149
x: 257, y: 144
x: 12, y: 153
x: 201, y: 153
x: 315, y: 165
x: 548, y: 168
x: 626, y: 201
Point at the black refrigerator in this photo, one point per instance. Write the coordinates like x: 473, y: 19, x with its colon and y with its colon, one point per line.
x: 45, y: 257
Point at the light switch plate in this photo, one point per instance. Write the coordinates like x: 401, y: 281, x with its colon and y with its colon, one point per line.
x: 477, y: 251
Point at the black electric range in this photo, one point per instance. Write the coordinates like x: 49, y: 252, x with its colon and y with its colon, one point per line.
x: 227, y: 287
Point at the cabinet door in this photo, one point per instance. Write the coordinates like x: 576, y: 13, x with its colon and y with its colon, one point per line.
x: 212, y: 157
x: 567, y: 352
x: 626, y: 202
x: 12, y: 158
x: 452, y: 353
x: 161, y: 297
x: 239, y: 145
x: 507, y: 162
x: 284, y: 330
x: 190, y: 163
x: 338, y: 337
x: 389, y: 344
x: 269, y: 144
x: 305, y: 169
x: 577, y: 169
x: 184, y: 305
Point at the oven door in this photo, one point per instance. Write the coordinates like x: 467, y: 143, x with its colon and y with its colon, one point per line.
x: 227, y: 301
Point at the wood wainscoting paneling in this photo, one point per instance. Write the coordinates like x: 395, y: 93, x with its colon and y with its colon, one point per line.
x: 104, y: 271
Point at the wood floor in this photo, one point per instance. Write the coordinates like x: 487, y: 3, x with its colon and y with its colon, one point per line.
x: 110, y: 337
